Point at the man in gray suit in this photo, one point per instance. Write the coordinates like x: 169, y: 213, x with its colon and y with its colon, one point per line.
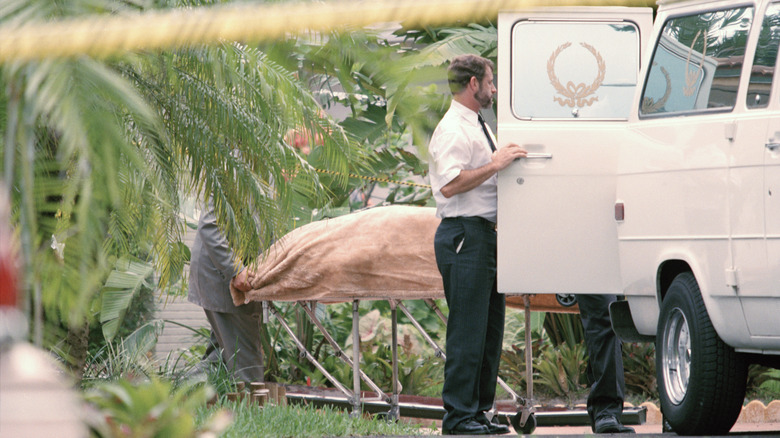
x: 213, y: 267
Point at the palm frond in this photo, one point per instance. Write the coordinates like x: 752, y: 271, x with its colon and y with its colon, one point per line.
x: 474, y: 39
x: 227, y: 110
x: 84, y: 111
x: 121, y: 287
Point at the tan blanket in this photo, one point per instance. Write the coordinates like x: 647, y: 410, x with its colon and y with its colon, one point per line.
x: 379, y: 253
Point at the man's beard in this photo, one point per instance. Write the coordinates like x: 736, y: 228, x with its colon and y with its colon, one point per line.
x: 485, y: 99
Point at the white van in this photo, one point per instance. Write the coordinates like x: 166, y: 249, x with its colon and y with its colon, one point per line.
x: 654, y: 174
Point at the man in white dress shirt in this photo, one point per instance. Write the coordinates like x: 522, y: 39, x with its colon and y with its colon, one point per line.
x: 463, y: 167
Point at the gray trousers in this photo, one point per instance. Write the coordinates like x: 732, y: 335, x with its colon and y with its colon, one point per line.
x: 238, y: 335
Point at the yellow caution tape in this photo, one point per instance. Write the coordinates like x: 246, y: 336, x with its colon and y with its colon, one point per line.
x: 104, y: 35
x: 371, y: 178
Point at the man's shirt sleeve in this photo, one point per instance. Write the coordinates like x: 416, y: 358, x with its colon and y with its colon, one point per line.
x: 450, y: 157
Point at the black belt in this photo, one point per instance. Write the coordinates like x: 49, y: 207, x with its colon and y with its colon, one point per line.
x: 479, y: 220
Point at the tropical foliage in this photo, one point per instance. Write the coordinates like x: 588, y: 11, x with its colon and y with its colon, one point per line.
x: 562, y: 371
x: 97, y: 154
x: 152, y: 408
x: 130, y: 357
x: 639, y: 364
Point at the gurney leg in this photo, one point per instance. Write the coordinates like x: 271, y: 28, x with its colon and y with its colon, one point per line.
x: 432, y: 304
x: 355, y: 359
x: 529, y: 372
x: 305, y: 352
x: 341, y: 354
x: 438, y: 351
x: 394, y: 413
x: 525, y: 421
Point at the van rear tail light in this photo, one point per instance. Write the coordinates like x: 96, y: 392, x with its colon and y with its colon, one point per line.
x: 620, y: 211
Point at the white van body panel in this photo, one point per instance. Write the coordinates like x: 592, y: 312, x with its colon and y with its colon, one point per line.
x: 767, y: 315
x: 696, y: 189
x: 700, y: 189
x: 676, y: 207
x: 556, y: 210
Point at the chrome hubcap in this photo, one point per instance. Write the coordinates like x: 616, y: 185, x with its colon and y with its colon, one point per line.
x: 677, y: 356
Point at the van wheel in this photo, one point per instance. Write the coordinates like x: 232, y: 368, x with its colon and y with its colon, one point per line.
x: 701, y: 380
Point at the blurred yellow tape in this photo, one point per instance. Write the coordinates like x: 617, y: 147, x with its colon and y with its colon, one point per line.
x: 375, y: 179
x: 104, y: 35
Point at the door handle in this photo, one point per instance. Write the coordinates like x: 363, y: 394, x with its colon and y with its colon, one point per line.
x: 538, y: 155
x: 773, y: 146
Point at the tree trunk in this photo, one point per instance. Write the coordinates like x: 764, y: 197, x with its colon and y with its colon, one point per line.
x: 77, y: 343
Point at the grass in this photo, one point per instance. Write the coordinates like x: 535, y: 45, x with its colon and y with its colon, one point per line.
x: 299, y: 421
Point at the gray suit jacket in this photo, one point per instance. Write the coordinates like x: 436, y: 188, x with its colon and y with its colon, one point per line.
x: 212, y: 266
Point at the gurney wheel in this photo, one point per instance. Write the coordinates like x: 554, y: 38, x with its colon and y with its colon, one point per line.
x: 389, y: 416
x: 566, y: 300
x: 529, y: 426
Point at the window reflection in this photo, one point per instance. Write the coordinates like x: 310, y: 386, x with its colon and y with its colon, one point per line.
x: 697, y: 62
x: 764, y: 59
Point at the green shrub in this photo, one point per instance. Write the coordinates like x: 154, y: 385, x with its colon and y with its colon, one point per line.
x: 152, y: 408
x: 639, y: 369
x: 562, y: 371
x: 564, y: 328
x: 512, y: 369
x: 129, y: 357
x: 763, y: 383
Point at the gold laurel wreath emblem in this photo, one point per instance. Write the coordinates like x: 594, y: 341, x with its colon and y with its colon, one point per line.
x: 649, y: 105
x: 576, y: 94
x: 692, y: 77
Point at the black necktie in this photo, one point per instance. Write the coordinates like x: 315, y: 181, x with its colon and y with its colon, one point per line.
x: 485, y: 130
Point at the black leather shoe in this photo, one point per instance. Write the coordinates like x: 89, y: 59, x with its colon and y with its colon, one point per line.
x: 610, y: 424
x: 494, y: 428
x: 467, y: 427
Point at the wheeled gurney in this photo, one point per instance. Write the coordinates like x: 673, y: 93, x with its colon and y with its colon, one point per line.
x: 382, y: 253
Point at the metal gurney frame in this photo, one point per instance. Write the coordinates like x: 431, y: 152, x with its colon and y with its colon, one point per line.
x: 384, y: 253
x: 523, y: 422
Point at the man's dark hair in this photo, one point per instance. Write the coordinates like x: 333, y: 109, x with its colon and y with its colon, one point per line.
x: 463, y: 67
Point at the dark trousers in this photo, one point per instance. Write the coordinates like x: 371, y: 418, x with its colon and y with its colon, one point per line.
x: 605, y: 357
x: 466, y: 257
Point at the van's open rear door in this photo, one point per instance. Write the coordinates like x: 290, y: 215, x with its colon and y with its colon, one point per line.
x: 566, y: 81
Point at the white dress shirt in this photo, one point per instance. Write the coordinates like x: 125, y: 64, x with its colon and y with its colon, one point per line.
x: 458, y: 143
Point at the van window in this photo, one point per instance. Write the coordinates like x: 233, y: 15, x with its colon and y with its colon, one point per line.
x: 697, y: 63
x: 764, y: 59
x: 591, y: 73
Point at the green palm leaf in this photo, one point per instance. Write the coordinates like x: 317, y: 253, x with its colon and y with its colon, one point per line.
x: 474, y: 39
x: 141, y: 341
x: 97, y: 153
x: 122, y: 286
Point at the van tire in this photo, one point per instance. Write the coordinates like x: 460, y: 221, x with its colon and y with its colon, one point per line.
x: 708, y: 400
